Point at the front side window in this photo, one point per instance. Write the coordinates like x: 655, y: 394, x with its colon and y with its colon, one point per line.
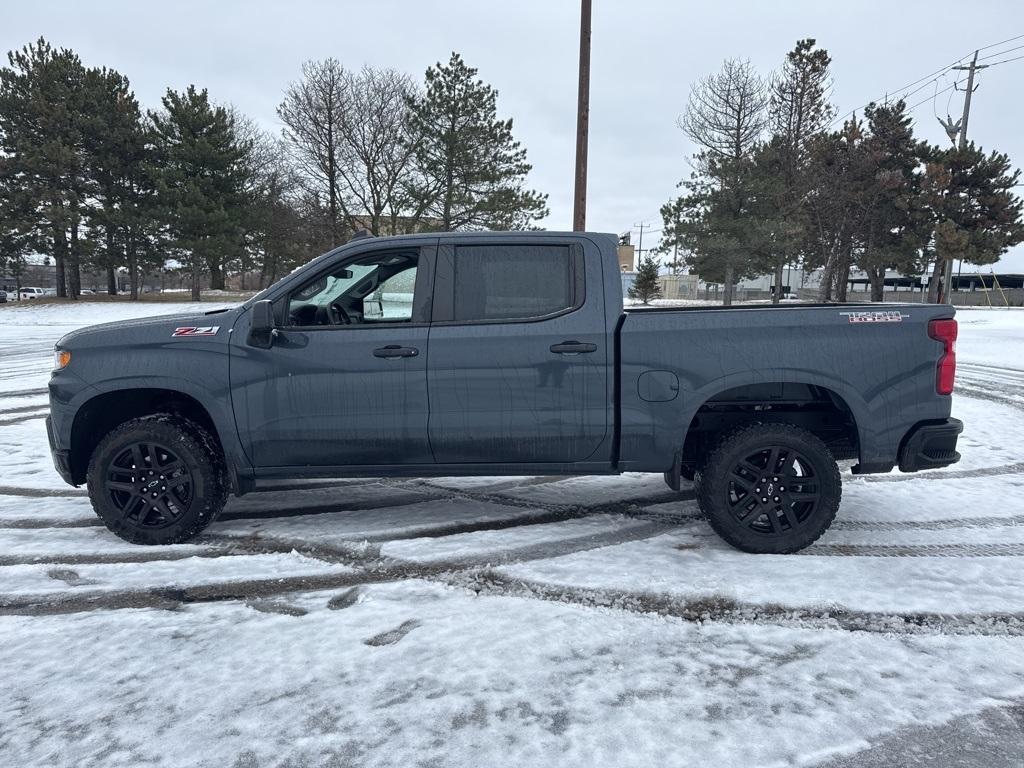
x: 512, y: 282
x: 368, y: 289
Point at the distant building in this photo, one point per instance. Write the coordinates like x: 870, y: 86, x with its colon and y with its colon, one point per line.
x: 627, y: 258
x: 679, y: 286
x: 794, y: 279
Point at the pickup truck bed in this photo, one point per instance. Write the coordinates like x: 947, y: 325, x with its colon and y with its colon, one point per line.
x: 841, y: 368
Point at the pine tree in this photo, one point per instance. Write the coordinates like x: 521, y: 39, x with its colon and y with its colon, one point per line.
x: 713, y: 223
x: 798, y: 109
x: 973, y: 211
x: 201, y: 184
x: 470, y: 171
x: 16, y: 225
x: 646, y: 287
x: 116, y: 154
x: 725, y: 117
x: 41, y: 108
x: 834, y: 208
x: 895, y: 225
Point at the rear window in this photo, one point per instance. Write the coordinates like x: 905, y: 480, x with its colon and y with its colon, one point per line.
x: 512, y: 282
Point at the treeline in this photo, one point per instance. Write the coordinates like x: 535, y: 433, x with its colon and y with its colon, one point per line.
x: 94, y: 181
x: 779, y: 181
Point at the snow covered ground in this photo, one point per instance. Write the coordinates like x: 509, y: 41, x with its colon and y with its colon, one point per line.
x: 511, y: 621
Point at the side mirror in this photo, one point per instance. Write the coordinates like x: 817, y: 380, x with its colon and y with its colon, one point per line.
x: 261, y: 328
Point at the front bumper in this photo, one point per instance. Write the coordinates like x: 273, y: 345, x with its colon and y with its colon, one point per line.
x: 61, y: 459
x: 930, y: 444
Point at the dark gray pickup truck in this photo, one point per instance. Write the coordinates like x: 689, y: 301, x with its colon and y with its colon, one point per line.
x: 499, y: 353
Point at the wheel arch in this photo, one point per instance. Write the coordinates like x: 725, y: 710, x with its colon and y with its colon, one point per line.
x: 103, y: 412
x: 822, y: 405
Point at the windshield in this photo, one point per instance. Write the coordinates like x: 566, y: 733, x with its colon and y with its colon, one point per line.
x: 328, y: 288
x: 309, y: 265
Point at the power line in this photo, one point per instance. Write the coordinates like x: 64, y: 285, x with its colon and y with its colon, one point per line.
x: 1004, y: 61
x: 933, y: 77
x: 948, y: 102
x: 1000, y: 53
x: 933, y: 96
x: 1008, y: 40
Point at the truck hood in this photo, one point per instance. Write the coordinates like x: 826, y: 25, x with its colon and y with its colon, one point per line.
x: 211, y: 325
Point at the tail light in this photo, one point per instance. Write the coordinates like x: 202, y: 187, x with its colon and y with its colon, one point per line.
x: 945, y: 372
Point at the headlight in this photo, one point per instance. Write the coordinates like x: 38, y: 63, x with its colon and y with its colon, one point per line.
x: 61, y: 359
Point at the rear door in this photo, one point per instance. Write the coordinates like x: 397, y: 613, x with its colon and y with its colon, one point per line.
x: 517, y: 363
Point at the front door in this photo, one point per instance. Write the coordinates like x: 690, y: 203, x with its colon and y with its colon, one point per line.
x: 345, y: 381
x: 517, y: 369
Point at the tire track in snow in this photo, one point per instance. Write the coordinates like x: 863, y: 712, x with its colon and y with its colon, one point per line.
x: 954, y: 474
x: 988, y: 366
x: 978, y: 393
x: 33, y: 523
x: 999, y: 549
x: 42, y: 493
x: 618, y: 507
x: 328, y: 507
x: 145, y: 555
x: 22, y: 419
x: 24, y: 409
x: 22, y: 392
x: 927, y: 525
x: 371, y: 568
x: 726, y: 610
x: 442, y: 530
x: 172, y: 598
x: 486, y: 581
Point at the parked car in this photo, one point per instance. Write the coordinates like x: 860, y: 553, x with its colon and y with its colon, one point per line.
x: 513, y: 357
x: 3, y: 297
x: 31, y: 293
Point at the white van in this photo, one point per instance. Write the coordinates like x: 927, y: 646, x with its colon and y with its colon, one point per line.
x: 31, y: 293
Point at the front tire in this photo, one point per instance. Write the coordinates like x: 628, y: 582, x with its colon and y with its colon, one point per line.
x: 157, y: 480
x: 770, y: 488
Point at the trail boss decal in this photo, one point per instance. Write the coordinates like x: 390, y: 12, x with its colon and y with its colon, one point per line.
x: 890, y: 316
x: 209, y: 330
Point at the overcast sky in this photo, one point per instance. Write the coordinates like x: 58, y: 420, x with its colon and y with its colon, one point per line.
x: 645, y: 55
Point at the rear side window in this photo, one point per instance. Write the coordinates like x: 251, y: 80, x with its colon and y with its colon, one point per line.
x: 513, y: 282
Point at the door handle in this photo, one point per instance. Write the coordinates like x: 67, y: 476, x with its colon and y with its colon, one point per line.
x: 573, y: 347
x: 394, y: 350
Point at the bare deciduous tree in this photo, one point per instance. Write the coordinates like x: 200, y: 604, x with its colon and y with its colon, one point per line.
x: 726, y: 114
x: 375, y: 158
x: 313, y: 112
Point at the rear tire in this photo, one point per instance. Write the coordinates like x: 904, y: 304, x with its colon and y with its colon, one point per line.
x: 769, y: 488
x: 158, y: 479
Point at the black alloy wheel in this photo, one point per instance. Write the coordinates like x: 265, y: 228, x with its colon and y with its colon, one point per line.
x: 149, y: 484
x: 769, y: 488
x: 773, y: 490
x: 158, y: 479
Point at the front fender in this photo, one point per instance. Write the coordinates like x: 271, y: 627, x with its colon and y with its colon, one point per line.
x: 216, y: 403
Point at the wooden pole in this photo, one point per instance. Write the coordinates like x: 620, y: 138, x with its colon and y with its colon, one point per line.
x: 579, y: 213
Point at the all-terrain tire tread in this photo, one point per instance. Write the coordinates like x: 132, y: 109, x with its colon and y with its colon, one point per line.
x: 210, y: 463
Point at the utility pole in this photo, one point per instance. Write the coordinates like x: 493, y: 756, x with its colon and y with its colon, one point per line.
x: 640, y: 244
x: 947, y: 272
x: 579, y: 211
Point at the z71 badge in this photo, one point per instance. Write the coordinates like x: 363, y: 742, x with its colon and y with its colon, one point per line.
x: 889, y: 316
x: 209, y: 330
